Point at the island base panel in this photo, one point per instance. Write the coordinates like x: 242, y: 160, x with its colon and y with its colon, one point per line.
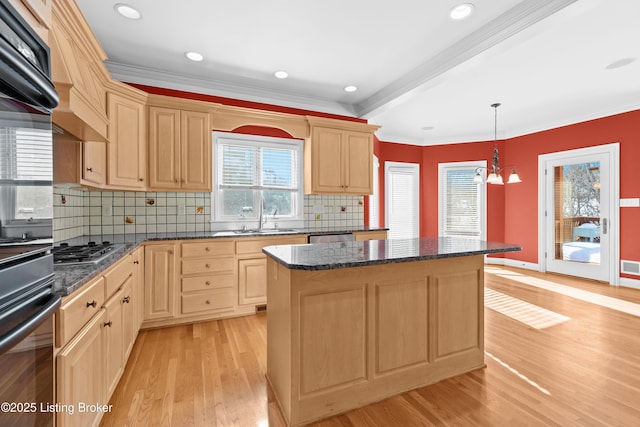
x: 344, y: 338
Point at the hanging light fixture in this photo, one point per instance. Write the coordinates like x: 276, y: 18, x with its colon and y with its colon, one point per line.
x: 495, y: 172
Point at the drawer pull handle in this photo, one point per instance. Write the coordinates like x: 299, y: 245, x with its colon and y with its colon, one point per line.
x: 109, y: 323
x: 207, y: 283
x: 207, y: 248
x: 207, y: 266
x: 89, y: 169
x: 92, y: 304
x: 126, y: 300
x: 136, y: 262
x: 208, y: 302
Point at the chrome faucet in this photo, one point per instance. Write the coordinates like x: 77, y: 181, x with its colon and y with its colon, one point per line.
x: 261, y: 221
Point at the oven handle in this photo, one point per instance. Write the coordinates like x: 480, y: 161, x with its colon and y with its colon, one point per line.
x: 17, y: 334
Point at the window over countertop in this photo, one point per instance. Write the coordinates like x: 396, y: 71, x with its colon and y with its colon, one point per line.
x: 249, y: 169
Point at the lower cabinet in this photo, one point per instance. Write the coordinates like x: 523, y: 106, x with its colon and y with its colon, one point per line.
x: 80, y: 369
x: 159, y: 281
x: 96, y: 328
x: 252, y: 281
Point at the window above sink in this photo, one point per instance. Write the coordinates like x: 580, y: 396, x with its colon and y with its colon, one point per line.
x: 249, y: 169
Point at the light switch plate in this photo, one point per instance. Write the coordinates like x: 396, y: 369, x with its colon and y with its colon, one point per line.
x: 630, y: 203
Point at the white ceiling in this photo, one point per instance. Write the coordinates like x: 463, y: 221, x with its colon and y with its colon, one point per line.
x: 544, y: 60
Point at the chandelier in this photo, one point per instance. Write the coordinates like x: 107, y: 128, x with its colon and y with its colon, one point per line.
x: 495, y: 172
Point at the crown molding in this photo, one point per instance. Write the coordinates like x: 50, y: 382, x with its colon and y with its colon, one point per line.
x: 245, y: 91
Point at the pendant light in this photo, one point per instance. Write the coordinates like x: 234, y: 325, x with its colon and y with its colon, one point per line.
x: 495, y: 172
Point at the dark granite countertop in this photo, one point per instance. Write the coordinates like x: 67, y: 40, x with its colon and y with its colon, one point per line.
x: 71, y: 277
x: 327, y: 256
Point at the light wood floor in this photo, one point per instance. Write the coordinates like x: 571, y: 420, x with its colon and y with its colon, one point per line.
x: 584, y: 371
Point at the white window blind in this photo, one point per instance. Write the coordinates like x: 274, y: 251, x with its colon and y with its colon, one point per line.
x: 402, y: 200
x: 25, y: 155
x: 461, y: 201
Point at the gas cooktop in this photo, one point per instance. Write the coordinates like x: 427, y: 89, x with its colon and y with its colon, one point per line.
x: 92, y: 252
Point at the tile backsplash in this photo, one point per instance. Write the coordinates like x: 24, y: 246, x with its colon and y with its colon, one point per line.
x: 80, y: 212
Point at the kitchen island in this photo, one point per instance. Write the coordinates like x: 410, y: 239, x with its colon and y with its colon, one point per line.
x: 352, y: 323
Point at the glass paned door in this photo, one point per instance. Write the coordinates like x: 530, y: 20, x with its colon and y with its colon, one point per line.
x: 578, y: 215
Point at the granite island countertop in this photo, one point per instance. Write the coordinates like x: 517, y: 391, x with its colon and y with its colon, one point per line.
x: 70, y: 277
x: 328, y: 256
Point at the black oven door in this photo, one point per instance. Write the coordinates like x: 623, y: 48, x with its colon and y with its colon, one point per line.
x: 26, y: 357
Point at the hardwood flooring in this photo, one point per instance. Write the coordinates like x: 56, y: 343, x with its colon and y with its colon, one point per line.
x: 584, y: 371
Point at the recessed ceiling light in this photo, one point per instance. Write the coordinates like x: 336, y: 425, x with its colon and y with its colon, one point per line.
x: 281, y: 74
x: 194, y: 56
x: 427, y: 128
x: 620, y: 63
x: 350, y: 88
x: 461, y: 11
x: 127, y: 11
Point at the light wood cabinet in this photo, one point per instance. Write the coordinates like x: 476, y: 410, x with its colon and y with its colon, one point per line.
x: 160, y: 281
x: 370, y: 235
x: 208, y: 277
x: 339, y: 157
x: 179, y: 148
x: 138, y: 285
x: 78, y: 72
x: 80, y: 374
x: 77, y: 309
x: 114, y: 343
x: 127, y: 138
x: 252, y: 281
x: 252, y: 266
x: 94, y: 163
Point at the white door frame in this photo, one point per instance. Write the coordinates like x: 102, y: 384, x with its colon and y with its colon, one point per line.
x: 613, y: 150
x: 413, y: 168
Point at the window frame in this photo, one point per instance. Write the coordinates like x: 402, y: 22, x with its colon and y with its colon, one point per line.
x: 218, y: 219
x: 442, y: 197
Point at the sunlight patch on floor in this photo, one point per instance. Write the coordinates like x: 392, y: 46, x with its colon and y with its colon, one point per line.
x: 586, y: 296
x: 519, y: 375
x: 522, y: 311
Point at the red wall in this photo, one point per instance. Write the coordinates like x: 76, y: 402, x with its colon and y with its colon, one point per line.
x: 512, y: 210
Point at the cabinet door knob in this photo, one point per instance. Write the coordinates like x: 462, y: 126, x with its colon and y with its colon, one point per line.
x: 208, y: 302
x: 207, y: 266
x: 109, y: 323
x: 207, y: 249
x: 92, y: 304
x: 207, y: 283
x: 140, y: 179
x: 125, y: 300
x: 136, y: 262
x: 89, y: 169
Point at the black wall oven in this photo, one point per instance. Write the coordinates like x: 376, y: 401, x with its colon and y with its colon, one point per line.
x: 27, y: 300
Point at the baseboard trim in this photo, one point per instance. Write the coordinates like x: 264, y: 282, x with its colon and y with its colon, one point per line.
x: 512, y: 263
x: 630, y: 283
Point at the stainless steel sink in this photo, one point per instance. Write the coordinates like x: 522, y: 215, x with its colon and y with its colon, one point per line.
x: 266, y: 231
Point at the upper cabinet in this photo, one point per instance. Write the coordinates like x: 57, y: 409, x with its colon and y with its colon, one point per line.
x: 339, y: 157
x: 179, y: 144
x: 126, y: 149
x: 78, y: 73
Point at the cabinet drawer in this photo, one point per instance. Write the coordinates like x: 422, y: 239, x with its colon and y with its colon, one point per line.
x: 255, y: 246
x: 212, y: 281
x: 117, y: 275
x: 78, y: 310
x: 208, y: 249
x: 211, y: 265
x: 370, y: 235
x: 217, y: 300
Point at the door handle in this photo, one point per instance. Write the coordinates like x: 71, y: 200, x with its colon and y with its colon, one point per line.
x: 604, y: 225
